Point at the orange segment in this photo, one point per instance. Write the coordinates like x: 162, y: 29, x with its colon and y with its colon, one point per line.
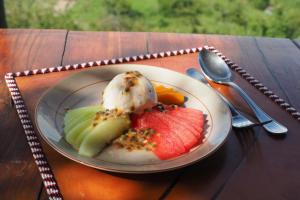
x: 171, y: 98
x: 169, y: 95
x: 161, y: 88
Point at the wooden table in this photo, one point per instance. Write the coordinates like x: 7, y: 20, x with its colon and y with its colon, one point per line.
x: 260, y: 167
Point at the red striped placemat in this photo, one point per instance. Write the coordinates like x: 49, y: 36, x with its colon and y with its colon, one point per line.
x: 44, y: 168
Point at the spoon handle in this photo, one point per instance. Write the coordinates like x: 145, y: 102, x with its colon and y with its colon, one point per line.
x: 272, y: 127
x: 238, y: 120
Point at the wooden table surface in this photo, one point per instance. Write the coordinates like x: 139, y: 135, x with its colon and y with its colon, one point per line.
x: 260, y: 167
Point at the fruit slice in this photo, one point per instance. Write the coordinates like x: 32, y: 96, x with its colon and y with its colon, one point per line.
x: 75, y: 116
x: 183, y: 125
x: 169, y: 95
x: 179, y: 129
x: 161, y: 88
x: 168, y: 145
x: 186, y: 112
x: 186, y: 136
x: 155, y: 120
x: 193, y: 117
x: 74, y: 113
x: 190, y: 123
x: 171, y: 98
x: 76, y: 132
x: 102, y: 134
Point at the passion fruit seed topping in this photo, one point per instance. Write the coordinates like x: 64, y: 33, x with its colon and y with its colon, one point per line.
x: 109, y: 114
x: 136, y: 140
x: 131, y: 79
x: 160, y: 107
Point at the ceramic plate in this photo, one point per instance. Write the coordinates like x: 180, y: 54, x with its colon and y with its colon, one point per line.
x: 85, y: 88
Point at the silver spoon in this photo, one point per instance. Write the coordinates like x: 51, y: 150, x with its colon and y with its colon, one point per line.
x: 215, y: 69
x: 238, y: 120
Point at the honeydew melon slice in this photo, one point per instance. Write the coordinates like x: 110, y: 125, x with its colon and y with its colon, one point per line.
x: 78, y: 111
x: 81, y: 136
x: 102, y: 134
x: 76, y: 131
x: 75, y: 116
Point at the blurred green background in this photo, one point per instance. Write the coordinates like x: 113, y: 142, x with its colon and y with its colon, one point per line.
x: 273, y: 18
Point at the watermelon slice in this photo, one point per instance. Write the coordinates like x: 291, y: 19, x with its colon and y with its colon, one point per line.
x: 167, y: 145
x: 178, y: 129
x: 192, y: 118
x: 186, y: 112
x: 186, y: 136
x: 186, y: 124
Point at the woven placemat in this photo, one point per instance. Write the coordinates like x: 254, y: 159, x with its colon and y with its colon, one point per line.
x: 44, y: 168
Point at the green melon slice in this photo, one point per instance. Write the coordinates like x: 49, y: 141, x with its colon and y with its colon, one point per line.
x: 76, y: 131
x: 75, y: 116
x: 102, y: 134
x: 76, y: 112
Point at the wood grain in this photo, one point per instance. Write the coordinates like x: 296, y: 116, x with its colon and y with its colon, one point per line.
x: 92, y: 46
x: 271, y: 168
x: 21, y: 50
x: 205, y: 178
x: 180, y: 63
x: 244, y: 52
x: 248, y: 158
x: 228, y: 157
x: 284, y: 67
x: 88, y: 183
x: 158, y: 42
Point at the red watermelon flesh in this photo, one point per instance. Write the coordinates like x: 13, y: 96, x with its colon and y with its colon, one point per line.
x: 188, y: 126
x: 136, y: 120
x: 186, y: 136
x: 194, y: 116
x: 183, y: 125
x: 191, y: 117
x: 189, y: 112
x: 179, y: 130
x: 167, y: 145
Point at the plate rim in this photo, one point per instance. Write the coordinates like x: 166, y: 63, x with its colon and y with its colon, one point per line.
x: 210, y: 152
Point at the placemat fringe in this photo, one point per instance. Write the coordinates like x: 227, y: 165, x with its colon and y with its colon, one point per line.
x: 40, y: 159
x: 47, y: 175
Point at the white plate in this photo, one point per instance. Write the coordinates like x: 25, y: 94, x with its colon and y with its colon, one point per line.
x: 85, y: 88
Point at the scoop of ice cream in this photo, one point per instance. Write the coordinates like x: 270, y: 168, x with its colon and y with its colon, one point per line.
x: 129, y: 92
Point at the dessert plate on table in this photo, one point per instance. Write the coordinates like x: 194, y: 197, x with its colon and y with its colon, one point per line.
x: 85, y: 88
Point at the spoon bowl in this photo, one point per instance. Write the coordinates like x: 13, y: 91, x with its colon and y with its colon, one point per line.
x: 215, y: 69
